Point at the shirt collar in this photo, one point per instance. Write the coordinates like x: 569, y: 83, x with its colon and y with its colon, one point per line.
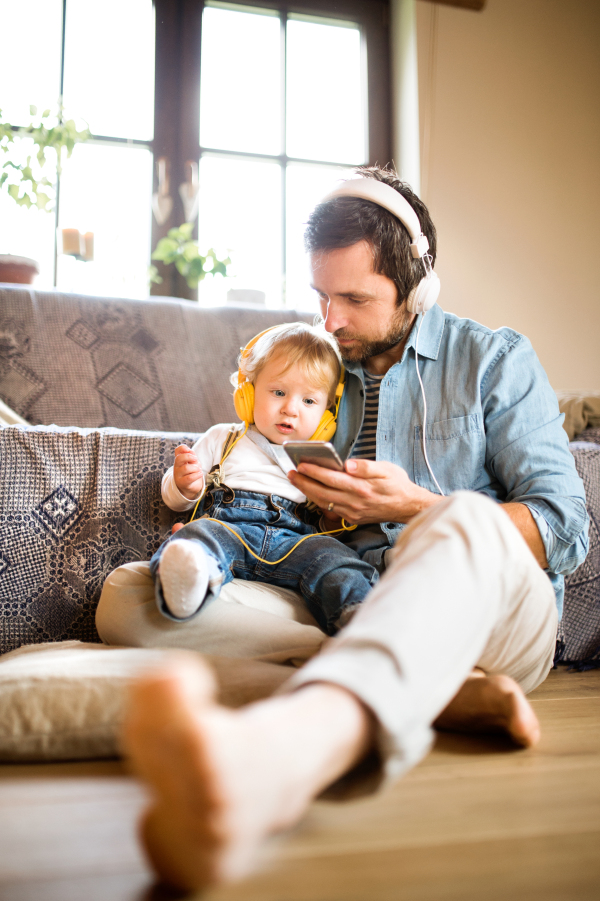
x: 429, y: 339
x: 431, y: 332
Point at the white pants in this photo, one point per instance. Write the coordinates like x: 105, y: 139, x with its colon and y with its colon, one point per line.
x: 462, y: 589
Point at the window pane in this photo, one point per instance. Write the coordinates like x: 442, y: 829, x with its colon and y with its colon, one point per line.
x: 240, y: 87
x: 109, y: 66
x: 307, y: 185
x: 240, y: 214
x: 325, y: 103
x: 27, y: 232
x: 30, y: 57
x: 106, y: 190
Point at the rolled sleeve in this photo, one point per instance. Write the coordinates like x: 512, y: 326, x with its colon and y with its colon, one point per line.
x: 528, y: 454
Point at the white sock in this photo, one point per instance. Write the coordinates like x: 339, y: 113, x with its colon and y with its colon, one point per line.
x: 183, y: 572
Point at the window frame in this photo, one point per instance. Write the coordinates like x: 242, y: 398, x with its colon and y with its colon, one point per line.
x: 177, y: 96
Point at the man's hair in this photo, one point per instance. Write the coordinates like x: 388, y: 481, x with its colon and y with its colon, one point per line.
x: 345, y: 221
x: 297, y: 342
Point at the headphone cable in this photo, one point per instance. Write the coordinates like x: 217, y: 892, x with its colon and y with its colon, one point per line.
x: 424, y: 408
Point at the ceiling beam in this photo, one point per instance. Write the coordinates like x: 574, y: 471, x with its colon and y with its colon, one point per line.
x: 463, y: 4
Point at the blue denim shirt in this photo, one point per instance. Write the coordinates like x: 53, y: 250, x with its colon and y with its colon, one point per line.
x: 493, y: 426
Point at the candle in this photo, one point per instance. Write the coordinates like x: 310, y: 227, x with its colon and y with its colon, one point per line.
x: 71, y: 241
x: 88, y: 242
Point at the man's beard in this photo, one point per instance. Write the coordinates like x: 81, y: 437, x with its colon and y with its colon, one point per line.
x: 364, y: 349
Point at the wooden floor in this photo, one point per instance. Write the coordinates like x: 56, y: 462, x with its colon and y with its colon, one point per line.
x: 476, y: 821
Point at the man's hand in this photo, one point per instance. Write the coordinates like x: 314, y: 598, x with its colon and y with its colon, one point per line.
x: 187, y: 472
x: 364, y: 492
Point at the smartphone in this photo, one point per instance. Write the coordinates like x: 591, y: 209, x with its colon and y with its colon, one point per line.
x: 321, y: 453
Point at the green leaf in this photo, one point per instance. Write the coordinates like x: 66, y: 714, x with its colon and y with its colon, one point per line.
x: 165, y: 248
x: 182, y: 266
x: 33, y: 110
x: 186, y: 230
x: 153, y: 276
x: 13, y: 190
x: 190, y: 251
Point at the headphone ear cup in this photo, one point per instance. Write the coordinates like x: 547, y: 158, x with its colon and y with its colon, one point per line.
x: 422, y: 298
x: 243, y: 401
x: 326, y: 428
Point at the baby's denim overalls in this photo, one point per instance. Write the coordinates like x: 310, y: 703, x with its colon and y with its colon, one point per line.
x: 330, y: 576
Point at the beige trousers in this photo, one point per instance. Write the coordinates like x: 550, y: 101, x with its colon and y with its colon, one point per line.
x: 461, y: 589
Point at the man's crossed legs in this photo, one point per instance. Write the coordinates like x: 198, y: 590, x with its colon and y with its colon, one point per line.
x: 460, y: 627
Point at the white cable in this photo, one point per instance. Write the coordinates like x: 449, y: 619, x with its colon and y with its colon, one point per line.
x: 424, y: 407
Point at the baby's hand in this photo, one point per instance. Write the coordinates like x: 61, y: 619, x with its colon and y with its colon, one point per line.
x: 187, y: 472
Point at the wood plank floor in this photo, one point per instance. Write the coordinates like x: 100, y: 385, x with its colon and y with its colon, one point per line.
x: 475, y: 821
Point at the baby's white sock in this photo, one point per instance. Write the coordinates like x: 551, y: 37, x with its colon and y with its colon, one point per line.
x: 183, y: 571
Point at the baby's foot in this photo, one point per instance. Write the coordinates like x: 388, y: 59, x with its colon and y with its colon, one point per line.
x: 183, y: 571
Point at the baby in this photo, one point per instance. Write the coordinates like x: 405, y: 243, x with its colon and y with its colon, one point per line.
x: 252, y: 519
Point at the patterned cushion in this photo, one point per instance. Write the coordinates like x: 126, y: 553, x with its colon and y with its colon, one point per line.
x: 580, y: 627
x: 590, y: 436
x: 74, y: 504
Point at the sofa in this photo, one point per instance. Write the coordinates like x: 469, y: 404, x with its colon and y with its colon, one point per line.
x: 95, y: 394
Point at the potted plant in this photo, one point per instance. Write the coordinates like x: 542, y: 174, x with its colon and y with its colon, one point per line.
x: 181, y: 249
x: 33, y: 182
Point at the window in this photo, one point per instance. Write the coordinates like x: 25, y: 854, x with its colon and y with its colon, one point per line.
x: 105, y: 75
x: 284, y: 101
x: 271, y: 102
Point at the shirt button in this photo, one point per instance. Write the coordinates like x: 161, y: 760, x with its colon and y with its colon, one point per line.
x: 362, y: 393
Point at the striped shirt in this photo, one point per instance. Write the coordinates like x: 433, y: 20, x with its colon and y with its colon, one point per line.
x: 366, y: 443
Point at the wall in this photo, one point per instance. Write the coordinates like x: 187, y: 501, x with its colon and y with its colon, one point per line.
x: 510, y: 168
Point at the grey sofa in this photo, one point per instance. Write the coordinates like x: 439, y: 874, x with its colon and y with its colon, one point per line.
x: 108, y: 388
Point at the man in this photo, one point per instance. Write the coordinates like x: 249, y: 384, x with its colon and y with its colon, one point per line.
x: 463, y: 621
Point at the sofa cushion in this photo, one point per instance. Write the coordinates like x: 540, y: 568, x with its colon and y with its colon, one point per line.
x: 65, y: 701
x: 74, y: 504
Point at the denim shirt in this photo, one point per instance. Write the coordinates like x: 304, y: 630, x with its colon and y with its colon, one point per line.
x: 493, y: 426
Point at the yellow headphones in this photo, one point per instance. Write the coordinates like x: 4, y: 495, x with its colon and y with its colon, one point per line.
x: 243, y: 398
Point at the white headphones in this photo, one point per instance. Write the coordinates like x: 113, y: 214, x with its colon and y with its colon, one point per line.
x: 423, y: 297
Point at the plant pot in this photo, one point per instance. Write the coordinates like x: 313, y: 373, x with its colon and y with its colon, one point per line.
x: 17, y: 270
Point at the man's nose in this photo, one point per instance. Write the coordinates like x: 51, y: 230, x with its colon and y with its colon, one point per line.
x: 332, y: 314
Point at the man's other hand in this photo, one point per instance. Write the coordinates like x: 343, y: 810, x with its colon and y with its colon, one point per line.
x: 187, y: 472
x: 365, y: 492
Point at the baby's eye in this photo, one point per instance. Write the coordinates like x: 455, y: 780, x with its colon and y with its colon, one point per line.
x: 309, y: 400
x: 278, y: 392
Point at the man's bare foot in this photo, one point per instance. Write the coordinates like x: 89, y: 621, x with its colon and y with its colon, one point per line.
x: 225, y: 780
x: 491, y: 704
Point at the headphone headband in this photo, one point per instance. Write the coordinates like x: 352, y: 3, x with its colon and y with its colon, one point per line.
x: 385, y: 196
x: 423, y: 297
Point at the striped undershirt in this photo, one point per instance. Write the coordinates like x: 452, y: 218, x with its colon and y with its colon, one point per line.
x: 366, y: 443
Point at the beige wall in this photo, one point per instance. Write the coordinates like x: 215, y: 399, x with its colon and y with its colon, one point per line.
x: 510, y: 168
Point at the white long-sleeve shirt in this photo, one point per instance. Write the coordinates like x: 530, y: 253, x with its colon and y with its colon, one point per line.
x: 247, y: 468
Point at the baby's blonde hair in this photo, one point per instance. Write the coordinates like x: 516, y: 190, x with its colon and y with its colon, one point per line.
x: 309, y: 345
